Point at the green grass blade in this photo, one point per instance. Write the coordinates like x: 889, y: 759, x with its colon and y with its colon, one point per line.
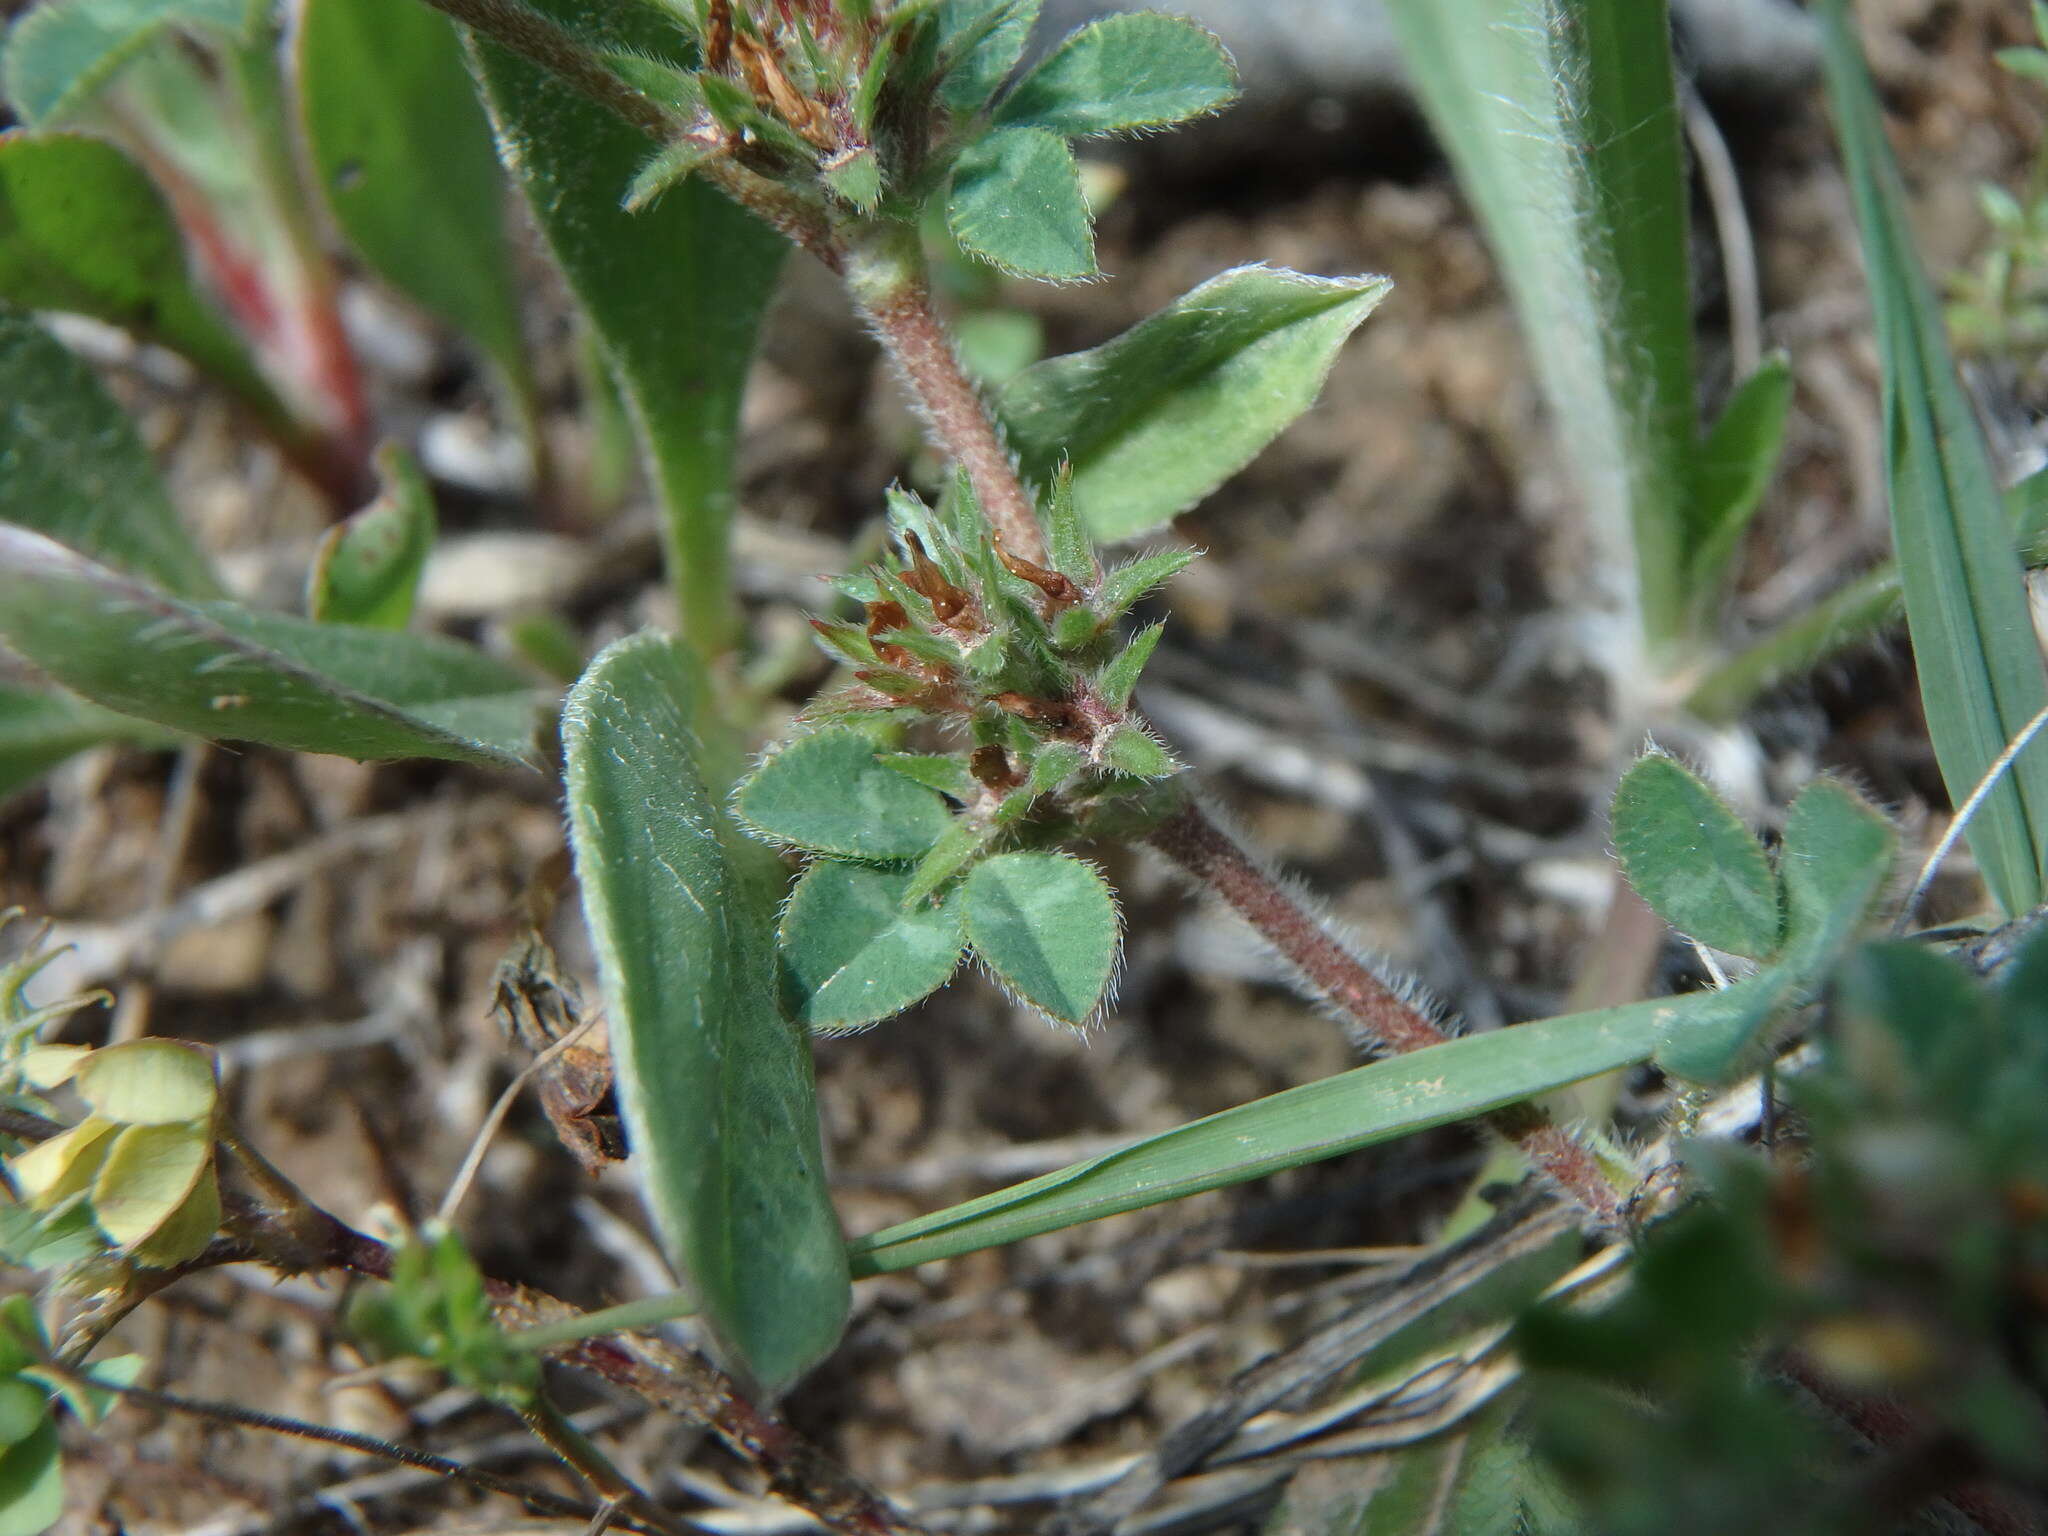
x: 675, y: 294
x: 714, y: 1077
x: 1981, y: 675
x: 1354, y: 1109
x: 1562, y: 121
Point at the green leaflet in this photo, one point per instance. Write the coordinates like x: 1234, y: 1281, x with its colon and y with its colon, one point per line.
x: 63, y: 51
x: 829, y: 793
x: 1157, y: 418
x: 72, y: 466
x: 980, y: 42
x: 1980, y: 666
x: 1016, y: 203
x: 1694, y: 862
x: 854, y: 952
x: 368, y: 567
x: 714, y: 1078
x: 1046, y: 925
x: 83, y: 229
x: 32, y: 1483
x: 1121, y: 73
x: 226, y: 672
x: 675, y: 293
x: 404, y: 158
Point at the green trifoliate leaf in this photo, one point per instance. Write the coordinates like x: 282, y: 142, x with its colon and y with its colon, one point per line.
x: 980, y: 42
x: 148, y: 1172
x: 1016, y: 204
x: 1138, y: 70
x: 61, y: 53
x: 1124, y: 587
x: 1130, y: 750
x: 1116, y: 680
x: 948, y: 775
x: 1157, y: 418
x: 1046, y: 925
x: 83, y: 229
x: 73, y: 467
x: 854, y: 952
x: 829, y: 793
x: 1836, y: 855
x: 714, y: 1077
x: 669, y: 166
x: 148, y: 1082
x: 1691, y: 858
x: 367, y: 570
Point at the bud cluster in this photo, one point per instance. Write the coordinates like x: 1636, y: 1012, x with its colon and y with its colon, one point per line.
x: 1026, y: 660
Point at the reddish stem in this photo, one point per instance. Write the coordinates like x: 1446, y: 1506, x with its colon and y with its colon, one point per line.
x: 1379, y: 1013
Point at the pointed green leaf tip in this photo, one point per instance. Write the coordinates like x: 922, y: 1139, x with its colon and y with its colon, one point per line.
x: 1157, y: 418
x: 1694, y: 862
x: 853, y: 952
x: 1046, y: 925
x: 829, y: 793
x: 714, y: 1077
x: 1016, y: 204
x: 1122, y: 73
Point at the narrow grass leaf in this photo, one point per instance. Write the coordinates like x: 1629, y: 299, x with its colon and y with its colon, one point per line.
x: 368, y: 567
x: 1980, y: 666
x: 1121, y: 73
x: 1157, y: 418
x: 714, y: 1077
x: 1691, y: 858
x: 1360, y: 1108
x: 84, y: 230
x: 854, y: 951
x: 675, y: 293
x: 1563, y: 125
x: 829, y: 792
x: 402, y: 153
x: 1046, y: 925
x: 62, y: 52
x: 232, y: 674
x: 72, y: 466
x: 1016, y: 203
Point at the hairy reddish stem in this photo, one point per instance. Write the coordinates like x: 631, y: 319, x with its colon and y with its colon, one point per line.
x: 1211, y: 857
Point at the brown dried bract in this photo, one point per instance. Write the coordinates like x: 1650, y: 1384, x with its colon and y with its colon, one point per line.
x: 1060, y: 593
x: 991, y: 767
x: 949, y: 604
